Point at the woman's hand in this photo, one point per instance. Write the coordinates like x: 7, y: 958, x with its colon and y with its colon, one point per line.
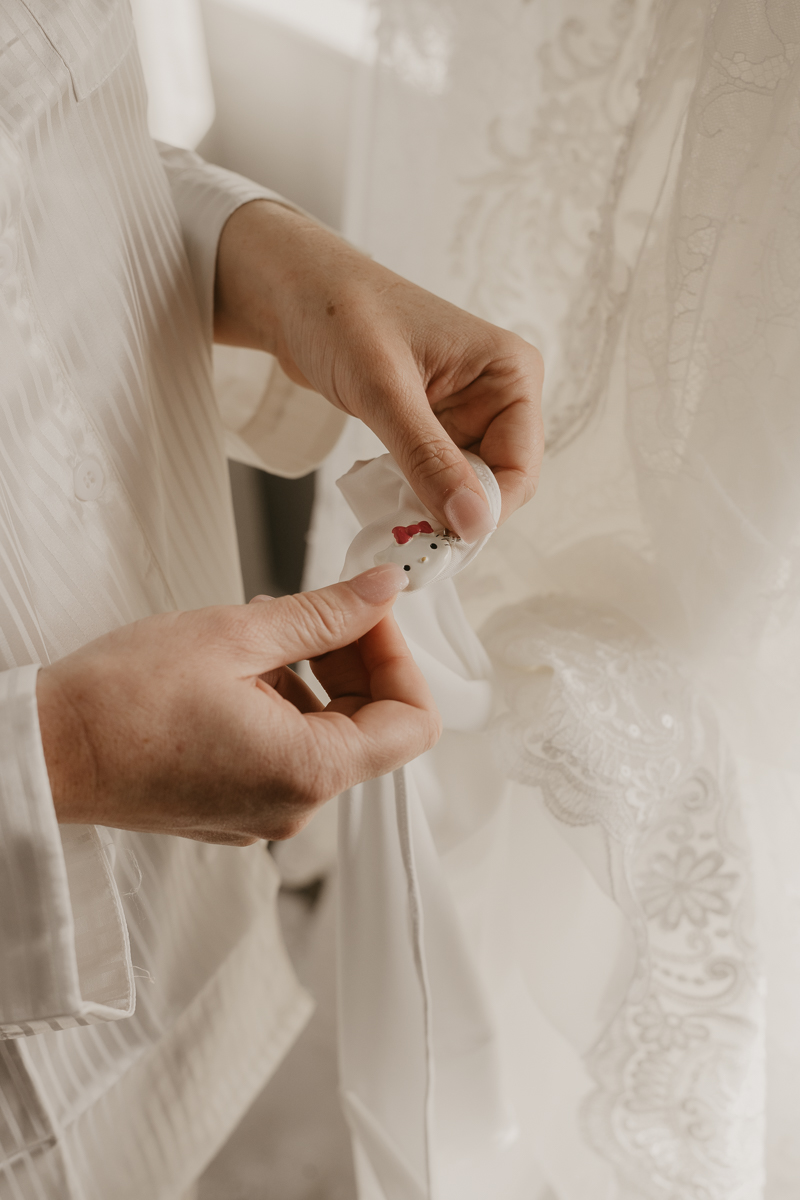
x: 428, y: 378
x: 191, y: 723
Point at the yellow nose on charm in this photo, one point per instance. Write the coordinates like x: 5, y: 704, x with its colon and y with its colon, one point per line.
x: 423, y: 559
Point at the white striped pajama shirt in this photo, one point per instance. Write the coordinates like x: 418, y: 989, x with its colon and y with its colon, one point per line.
x: 145, y: 994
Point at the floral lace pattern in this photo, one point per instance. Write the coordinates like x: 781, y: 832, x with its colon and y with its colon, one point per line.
x: 620, y: 738
x: 536, y: 103
x: 619, y: 182
x: 713, y: 308
x: 554, y: 182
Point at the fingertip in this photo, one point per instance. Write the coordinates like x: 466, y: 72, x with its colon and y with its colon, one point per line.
x: 379, y: 584
x: 468, y: 515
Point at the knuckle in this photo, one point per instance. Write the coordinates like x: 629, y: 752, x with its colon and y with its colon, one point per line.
x: 298, y: 789
x: 529, y: 486
x: 323, y: 784
x: 226, y: 626
x: 290, y: 788
x: 535, y: 361
x: 521, y: 485
x: 287, y: 827
x: 526, y: 358
x: 434, y: 728
x: 313, y: 613
x: 537, y: 452
x: 433, y: 457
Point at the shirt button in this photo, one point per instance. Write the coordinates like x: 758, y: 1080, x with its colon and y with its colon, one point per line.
x: 89, y: 479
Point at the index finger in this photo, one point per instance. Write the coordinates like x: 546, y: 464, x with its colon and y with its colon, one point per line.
x: 366, y: 737
x: 393, y: 673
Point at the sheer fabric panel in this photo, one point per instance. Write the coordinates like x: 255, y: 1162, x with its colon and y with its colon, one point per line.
x: 619, y: 184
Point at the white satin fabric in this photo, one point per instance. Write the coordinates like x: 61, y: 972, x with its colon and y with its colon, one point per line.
x: 413, y: 1012
x: 488, y: 964
x: 619, y: 184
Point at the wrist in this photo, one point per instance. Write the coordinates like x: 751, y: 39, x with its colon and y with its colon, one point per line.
x: 258, y: 268
x: 67, y: 751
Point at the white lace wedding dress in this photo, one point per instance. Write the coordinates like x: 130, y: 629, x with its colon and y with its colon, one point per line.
x: 618, y: 181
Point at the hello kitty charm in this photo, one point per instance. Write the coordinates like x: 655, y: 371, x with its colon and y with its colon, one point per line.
x: 421, y: 552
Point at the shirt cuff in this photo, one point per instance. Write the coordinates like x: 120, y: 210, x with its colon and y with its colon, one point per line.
x: 270, y: 422
x: 63, y: 938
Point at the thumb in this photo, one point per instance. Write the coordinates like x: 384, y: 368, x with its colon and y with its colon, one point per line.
x: 308, y: 624
x: 435, y: 467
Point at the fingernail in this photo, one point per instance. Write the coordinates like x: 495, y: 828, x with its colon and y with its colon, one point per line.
x: 379, y: 584
x: 468, y: 515
x: 260, y: 599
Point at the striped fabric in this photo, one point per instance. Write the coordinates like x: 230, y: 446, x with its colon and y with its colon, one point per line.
x: 114, y: 504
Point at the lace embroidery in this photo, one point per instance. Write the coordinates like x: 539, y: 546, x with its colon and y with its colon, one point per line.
x: 696, y: 181
x: 620, y: 738
x: 539, y: 223
x: 714, y: 307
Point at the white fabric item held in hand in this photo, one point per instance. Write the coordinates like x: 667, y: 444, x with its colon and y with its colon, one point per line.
x: 398, y: 528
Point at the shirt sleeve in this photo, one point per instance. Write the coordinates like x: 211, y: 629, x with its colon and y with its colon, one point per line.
x: 270, y: 421
x: 63, y: 938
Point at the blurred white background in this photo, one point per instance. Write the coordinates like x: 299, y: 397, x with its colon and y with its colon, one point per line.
x: 287, y: 77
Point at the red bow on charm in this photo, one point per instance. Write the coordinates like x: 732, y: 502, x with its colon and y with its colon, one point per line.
x: 404, y: 533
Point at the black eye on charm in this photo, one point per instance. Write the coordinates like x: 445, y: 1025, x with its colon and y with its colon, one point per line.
x: 434, y: 546
x: 406, y: 567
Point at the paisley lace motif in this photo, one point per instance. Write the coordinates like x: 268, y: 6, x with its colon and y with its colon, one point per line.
x: 613, y: 733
